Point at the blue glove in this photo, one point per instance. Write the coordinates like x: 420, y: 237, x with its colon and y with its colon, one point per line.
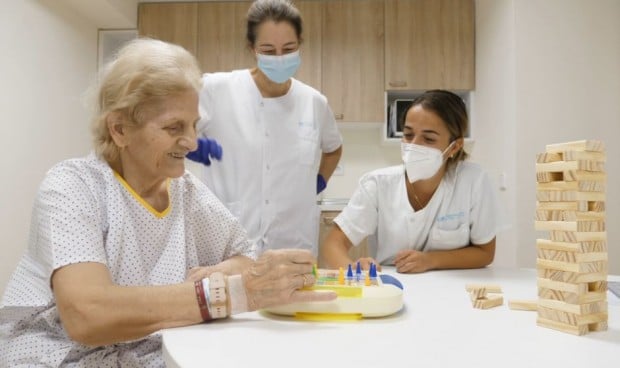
x: 206, y: 148
x: 320, y: 183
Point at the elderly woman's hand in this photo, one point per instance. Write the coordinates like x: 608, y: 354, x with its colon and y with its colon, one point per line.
x: 276, y: 277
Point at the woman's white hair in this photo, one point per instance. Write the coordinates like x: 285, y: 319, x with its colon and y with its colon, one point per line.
x: 143, y: 72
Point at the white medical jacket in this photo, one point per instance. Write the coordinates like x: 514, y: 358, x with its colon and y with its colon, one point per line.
x: 462, y: 211
x: 271, y: 154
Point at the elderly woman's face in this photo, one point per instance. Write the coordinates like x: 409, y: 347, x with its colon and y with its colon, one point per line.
x: 156, y: 149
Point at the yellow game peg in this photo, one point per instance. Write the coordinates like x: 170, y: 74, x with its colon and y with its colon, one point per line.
x: 367, y: 280
x: 340, y: 276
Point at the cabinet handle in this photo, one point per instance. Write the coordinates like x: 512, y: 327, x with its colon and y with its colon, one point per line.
x: 328, y: 220
x: 339, y: 116
x: 398, y: 84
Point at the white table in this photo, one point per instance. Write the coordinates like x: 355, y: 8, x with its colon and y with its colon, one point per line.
x: 437, y: 328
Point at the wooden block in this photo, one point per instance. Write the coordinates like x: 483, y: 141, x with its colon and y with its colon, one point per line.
x: 580, y: 225
x: 570, y: 297
x: 582, y: 145
x: 599, y: 286
x: 477, y: 294
x: 575, y: 330
x: 577, y: 236
x: 581, y: 206
x: 559, y: 215
x: 489, y: 288
x: 525, y: 305
x: 562, y: 166
x: 570, y: 318
x: 580, y: 175
x: 547, y: 177
x: 570, y: 256
x: 580, y: 247
x: 583, y: 267
x: 548, y: 157
x: 488, y: 302
x: 565, y: 196
x: 578, y: 309
x: 570, y: 277
x: 580, y: 288
x: 578, y: 185
x: 596, y: 206
x: 599, y: 326
x: 581, y: 155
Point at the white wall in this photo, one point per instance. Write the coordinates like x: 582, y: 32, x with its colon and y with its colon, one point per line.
x: 48, y: 60
x: 547, y: 72
x: 361, y: 153
x: 493, y: 113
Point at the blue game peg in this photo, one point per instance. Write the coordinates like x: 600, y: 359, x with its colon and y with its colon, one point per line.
x: 349, y: 272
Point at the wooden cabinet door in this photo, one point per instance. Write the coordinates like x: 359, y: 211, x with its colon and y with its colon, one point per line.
x: 222, y: 45
x: 429, y: 44
x: 352, y: 59
x: 171, y: 22
x: 310, y: 70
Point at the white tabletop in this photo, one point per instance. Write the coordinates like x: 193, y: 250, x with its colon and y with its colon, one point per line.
x: 438, y: 327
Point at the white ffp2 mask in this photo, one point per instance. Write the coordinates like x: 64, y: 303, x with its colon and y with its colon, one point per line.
x: 421, y: 162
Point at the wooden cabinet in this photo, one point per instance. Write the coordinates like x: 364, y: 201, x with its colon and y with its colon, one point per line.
x: 352, y: 59
x: 325, y: 226
x: 222, y: 44
x: 352, y: 50
x: 171, y: 22
x: 311, y: 68
x: 429, y: 44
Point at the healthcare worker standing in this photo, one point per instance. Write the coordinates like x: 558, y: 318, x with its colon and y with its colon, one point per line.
x: 434, y: 212
x: 279, y: 137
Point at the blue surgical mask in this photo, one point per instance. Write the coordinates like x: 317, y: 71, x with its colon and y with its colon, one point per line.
x: 279, y: 68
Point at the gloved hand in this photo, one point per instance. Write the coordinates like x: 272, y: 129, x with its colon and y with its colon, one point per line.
x: 321, y: 184
x: 206, y: 148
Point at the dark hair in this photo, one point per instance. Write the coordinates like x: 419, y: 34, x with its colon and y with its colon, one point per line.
x: 451, y: 110
x: 275, y: 10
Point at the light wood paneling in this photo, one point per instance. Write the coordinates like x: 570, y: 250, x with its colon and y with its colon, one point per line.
x: 352, y: 59
x: 171, y: 22
x: 222, y: 45
x: 429, y: 44
x: 310, y: 70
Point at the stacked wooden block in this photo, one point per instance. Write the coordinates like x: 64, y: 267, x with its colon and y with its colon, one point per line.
x: 572, y: 263
x: 484, y: 296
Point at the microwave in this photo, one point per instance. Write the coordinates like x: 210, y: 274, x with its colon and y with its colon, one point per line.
x: 396, y: 118
x: 397, y: 106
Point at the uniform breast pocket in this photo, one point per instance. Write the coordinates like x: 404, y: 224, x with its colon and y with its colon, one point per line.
x: 443, y: 239
x: 307, y: 144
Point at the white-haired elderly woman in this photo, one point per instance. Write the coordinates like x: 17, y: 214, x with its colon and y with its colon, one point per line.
x: 125, y: 242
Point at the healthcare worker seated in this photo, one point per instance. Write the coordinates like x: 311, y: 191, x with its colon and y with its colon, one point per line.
x: 435, y: 211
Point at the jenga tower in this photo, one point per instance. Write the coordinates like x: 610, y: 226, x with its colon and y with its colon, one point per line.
x: 572, y: 263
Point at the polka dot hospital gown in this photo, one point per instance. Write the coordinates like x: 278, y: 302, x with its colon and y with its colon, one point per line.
x: 86, y: 213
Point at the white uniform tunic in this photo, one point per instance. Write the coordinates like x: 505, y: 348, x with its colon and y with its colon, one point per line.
x: 271, y: 155
x: 84, y: 212
x: 462, y: 211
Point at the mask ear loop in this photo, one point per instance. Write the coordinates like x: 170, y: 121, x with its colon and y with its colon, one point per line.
x: 448, y: 148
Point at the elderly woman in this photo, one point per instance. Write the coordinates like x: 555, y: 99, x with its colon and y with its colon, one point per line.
x: 435, y: 211
x: 117, y: 236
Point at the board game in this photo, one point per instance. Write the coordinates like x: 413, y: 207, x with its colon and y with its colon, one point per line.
x: 361, y: 294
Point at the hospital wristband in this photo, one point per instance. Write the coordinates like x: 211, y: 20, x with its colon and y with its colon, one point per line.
x: 217, y: 295
x: 202, y: 301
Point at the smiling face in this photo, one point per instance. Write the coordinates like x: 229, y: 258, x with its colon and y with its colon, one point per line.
x: 155, y: 149
x: 276, y: 38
